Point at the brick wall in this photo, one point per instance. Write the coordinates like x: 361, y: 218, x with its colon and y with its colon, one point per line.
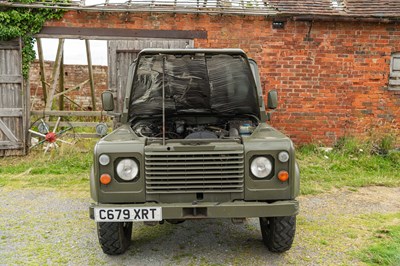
x: 73, y: 75
x: 331, y: 82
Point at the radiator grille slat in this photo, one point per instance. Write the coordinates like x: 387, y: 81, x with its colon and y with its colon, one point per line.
x: 199, y: 181
x: 194, y: 172
x: 194, y: 158
x: 194, y: 177
x: 166, y: 173
x: 176, y: 163
x: 192, y: 167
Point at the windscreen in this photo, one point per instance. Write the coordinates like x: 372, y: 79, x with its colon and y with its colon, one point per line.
x: 198, y: 84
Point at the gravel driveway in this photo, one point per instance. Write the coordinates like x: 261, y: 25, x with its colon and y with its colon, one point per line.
x: 52, y: 227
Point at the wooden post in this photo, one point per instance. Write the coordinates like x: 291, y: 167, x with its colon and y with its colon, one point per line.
x: 56, y: 72
x: 61, y: 84
x: 41, y: 65
x: 89, y: 59
x: 77, y: 87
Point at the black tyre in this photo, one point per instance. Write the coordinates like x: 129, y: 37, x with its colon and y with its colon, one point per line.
x: 114, y: 237
x: 278, y: 232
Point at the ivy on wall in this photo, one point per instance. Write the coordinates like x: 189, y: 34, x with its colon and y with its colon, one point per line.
x: 24, y: 23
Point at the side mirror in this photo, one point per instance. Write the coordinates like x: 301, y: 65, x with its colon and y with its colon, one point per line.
x: 107, y: 99
x: 272, y: 102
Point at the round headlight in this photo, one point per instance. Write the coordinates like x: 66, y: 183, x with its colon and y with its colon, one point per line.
x: 261, y: 167
x: 127, y: 169
x: 104, y: 159
x: 283, y: 156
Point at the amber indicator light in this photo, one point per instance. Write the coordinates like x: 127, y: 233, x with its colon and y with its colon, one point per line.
x: 105, y: 179
x: 283, y: 176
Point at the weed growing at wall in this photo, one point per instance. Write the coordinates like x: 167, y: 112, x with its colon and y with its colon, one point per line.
x: 24, y: 23
x: 351, y: 163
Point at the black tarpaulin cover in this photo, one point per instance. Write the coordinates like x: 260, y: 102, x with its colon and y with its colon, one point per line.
x: 217, y: 83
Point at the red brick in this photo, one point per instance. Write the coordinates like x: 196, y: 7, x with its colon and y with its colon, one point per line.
x: 322, y: 83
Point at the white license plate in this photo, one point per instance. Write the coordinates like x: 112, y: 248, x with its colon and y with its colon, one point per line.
x: 130, y: 214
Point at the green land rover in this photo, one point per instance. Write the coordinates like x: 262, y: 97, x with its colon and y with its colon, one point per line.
x: 193, y: 144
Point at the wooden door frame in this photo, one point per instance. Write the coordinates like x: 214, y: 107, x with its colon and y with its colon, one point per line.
x: 15, y: 145
x: 118, y: 34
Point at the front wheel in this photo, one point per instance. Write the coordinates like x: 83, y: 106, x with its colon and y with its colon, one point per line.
x: 114, y: 237
x: 278, y: 232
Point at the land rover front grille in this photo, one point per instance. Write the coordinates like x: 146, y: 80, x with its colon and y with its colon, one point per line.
x: 194, y: 172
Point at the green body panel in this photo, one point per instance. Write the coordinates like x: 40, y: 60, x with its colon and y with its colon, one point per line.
x: 245, y: 196
x: 266, y: 140
x: 121, y: 143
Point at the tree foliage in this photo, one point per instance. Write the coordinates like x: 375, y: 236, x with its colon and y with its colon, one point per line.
x: 25, y: 22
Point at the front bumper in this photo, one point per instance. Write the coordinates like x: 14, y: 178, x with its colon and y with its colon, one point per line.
x: 200, y: 210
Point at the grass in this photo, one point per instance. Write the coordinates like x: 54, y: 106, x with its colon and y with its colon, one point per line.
x: 353, y: 236
x: 347, y: 166
x: 374, y: 239
x: 67, y: 167
x: 322, y: 171
x: 385, y: 249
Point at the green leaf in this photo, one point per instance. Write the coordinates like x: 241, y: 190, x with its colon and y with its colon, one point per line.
x: 25, y: 22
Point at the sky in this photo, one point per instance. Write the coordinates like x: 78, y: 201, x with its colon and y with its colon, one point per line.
x: 75, y: 51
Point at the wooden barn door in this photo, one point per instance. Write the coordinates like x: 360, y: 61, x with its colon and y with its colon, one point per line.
x: 121, y: 54
x: 13, y: 118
